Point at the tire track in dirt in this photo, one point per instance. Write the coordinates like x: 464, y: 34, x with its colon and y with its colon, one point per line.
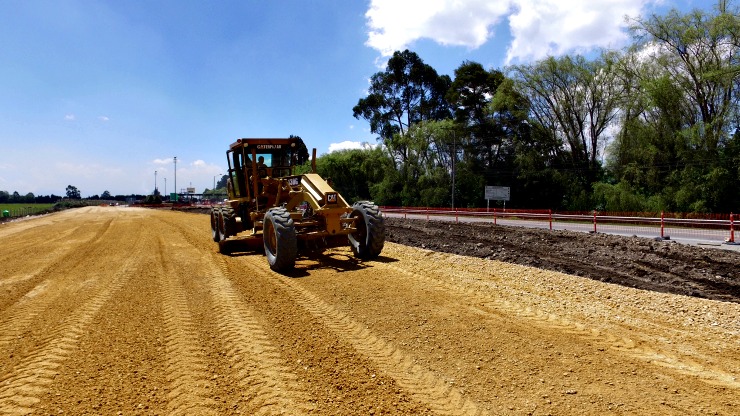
x: 24, y: 385
x: 21, y: 247
x: 189, y: 386
x: 256, y: 363
x: 475, y: 291
x: 56, y: 250
x: 37, y: 298
x: 20, y: 226
x: 420, y: 383
x: 260, y: 369
x: 57, y: 231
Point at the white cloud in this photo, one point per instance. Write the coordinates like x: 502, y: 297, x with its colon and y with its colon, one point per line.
x: 538, y: 27
x: 167, y: 161
x: 199, y: 163
x: 103, y: 118
x: 394, y: 25
x: 69, y: 117
x: 553, y: 27
x: 347, y: 144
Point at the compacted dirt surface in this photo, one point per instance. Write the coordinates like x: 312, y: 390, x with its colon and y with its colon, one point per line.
x: 128, y: 311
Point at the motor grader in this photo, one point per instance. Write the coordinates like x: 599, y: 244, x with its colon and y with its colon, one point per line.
x: 271, y: 208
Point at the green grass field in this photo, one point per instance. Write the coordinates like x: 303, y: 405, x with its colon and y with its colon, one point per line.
x: 19, y: 210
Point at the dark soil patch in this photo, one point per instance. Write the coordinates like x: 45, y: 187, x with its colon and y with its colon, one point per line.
x: 642, y: 263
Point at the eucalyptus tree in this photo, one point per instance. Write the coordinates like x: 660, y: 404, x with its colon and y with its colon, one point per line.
x: 407, y: 92
x: 470, y: 95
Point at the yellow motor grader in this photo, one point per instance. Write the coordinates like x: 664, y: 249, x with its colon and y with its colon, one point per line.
x: 270, y: 207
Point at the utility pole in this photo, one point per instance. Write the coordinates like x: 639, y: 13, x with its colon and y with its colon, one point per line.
x: 454, y: 156
x: 175, y: 178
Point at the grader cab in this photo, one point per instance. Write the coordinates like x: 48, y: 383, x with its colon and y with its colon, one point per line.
x: 270, y: 207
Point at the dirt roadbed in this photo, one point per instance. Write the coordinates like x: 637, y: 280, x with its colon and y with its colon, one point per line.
x: 128, y: 311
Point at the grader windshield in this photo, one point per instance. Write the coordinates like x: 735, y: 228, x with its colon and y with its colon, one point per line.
x: 273, y: 158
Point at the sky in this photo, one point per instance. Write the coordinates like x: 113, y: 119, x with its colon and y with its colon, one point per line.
x: 103, y: 95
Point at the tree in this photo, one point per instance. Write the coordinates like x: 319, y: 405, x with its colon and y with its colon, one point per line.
x: 301, y: 153
x: 426, y: 177
x: 221, y: 184
x: 575, y: 100
x: 470, y: 94
x: 353, y: 172
x: 73, y: 192
x: 153, y: 199
x: 105, y: 195
x: 680, y: 111
x: 407, y: 92
x: 700, y: 54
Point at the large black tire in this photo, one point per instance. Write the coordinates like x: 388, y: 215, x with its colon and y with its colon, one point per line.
x: 229, y: 221
x: 280, y: 241
x: 221, y: 231
x: 215, y: 213
x: 367, y: 242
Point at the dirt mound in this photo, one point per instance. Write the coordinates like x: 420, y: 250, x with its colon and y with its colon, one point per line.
x: 661, y: 266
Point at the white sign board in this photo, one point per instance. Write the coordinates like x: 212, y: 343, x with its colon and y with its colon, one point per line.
x: 498, y: 193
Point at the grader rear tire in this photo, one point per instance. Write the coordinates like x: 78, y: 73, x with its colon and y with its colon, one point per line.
x: 229, y: 221
x: 221, y: 227
x: 280, y: 241
x: 367, y: 242
x: 215, y: 212
x: 223, y: 246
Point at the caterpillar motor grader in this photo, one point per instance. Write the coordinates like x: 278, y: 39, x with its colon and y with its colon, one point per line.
x: 270, y: 207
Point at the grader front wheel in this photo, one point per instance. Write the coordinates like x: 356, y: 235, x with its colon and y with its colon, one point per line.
x: 367, y: 242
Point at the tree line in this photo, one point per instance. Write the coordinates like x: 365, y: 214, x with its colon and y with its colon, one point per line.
x: 652, y: 127
x: 71, y: 193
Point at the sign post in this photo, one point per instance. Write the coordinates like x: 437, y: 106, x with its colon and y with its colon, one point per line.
x: 497, y: 193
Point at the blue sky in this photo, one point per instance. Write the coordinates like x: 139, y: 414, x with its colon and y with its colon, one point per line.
x: 101, y: 94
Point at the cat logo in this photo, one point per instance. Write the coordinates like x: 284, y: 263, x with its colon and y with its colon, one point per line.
x: 331, y: 198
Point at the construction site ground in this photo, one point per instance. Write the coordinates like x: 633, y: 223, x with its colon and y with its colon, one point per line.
x: 131, y: 311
